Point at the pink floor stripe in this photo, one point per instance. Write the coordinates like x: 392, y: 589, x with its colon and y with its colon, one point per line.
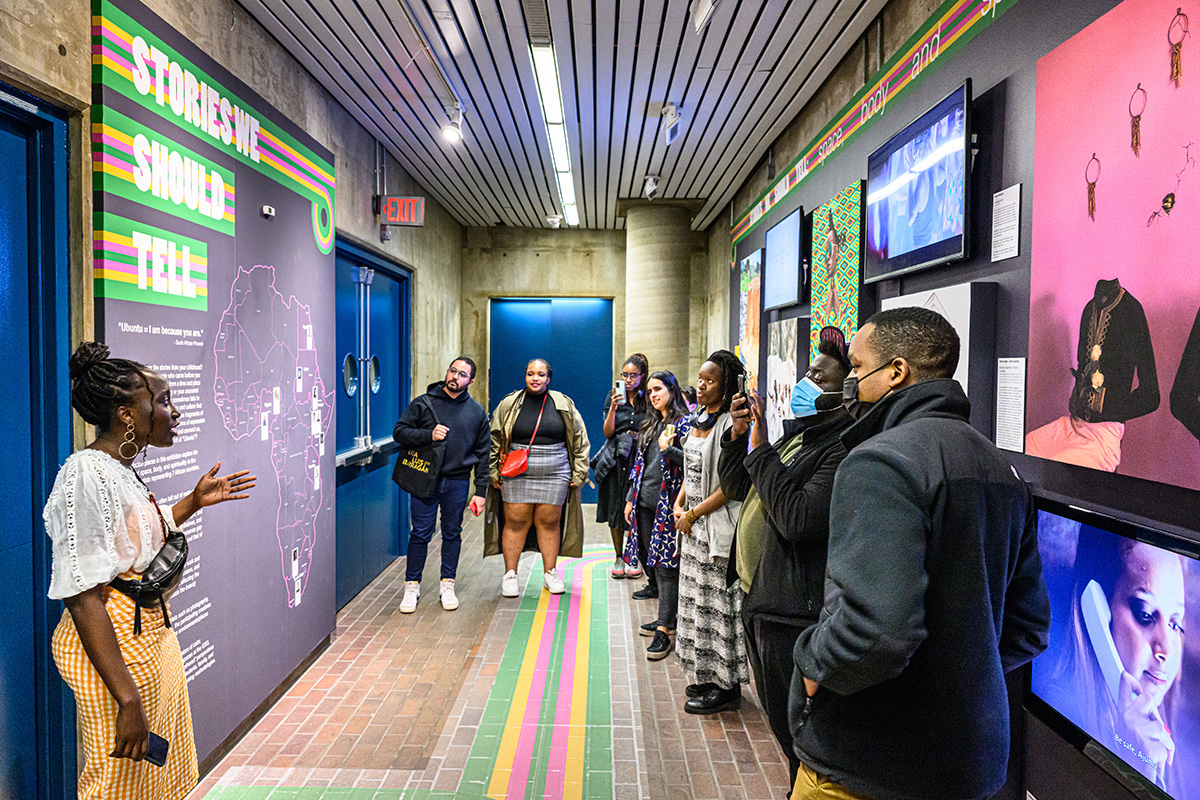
x: 566, y: 683
x: 523, y: 759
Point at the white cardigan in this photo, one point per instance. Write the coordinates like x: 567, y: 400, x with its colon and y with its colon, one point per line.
x: 718, y: 527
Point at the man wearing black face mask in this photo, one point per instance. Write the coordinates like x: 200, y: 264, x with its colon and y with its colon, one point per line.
x: 933, y: 588
x: 783, y: 527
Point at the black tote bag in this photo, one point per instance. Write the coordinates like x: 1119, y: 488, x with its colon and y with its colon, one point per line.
x: 417, y: 468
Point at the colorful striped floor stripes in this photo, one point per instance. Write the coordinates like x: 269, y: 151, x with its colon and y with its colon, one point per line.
x: 546, y: 731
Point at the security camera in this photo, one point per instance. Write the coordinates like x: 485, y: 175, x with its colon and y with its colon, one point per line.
x: 672, y: 121
x: 554, y: 220
x: 650, y: 187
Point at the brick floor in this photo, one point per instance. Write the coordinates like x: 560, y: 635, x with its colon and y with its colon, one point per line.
x: 400, y: 702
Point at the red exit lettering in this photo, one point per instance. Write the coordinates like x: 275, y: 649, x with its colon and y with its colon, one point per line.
x: 409, y: 211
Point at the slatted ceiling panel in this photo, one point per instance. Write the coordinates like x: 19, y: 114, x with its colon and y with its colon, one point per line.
x: 758, y: 111
x: 720, y: 96
x: 462, y: 61
x: 475, y: 62
x: 297, y: 39
x: 585, y: 88
x: 520, y: 88
x: 739, y: 82
x: 604, y: 33
x: 672, y: 49
x: 651, y: 14
x: 732, y: 172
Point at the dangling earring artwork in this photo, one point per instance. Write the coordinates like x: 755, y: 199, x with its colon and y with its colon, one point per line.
x: 1135, y: 120
x: 129, y: 442
x: 1091, y: 184
x: 1176, y: 33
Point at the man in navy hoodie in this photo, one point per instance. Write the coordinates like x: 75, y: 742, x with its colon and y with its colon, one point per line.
x: 445, y: 413
x: 933, y: 586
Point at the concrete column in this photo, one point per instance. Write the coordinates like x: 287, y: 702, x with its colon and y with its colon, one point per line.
x: 658, y: 259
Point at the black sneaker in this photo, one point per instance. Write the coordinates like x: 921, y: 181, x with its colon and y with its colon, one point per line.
x: 647, y: 592
x: 660, y: 648
x: 648, y: 629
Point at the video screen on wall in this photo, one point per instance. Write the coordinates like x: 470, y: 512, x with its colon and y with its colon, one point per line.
x: 782, y: 283
x: 917, y: 192
x: 1118, y: 669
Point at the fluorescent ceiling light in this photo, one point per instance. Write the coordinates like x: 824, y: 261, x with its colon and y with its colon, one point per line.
x: 572, y: 214
x: 566, y: 188
x: 558, y: 147
x: 546, y: 69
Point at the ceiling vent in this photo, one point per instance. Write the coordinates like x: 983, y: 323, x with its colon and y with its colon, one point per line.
x: 537, y: 22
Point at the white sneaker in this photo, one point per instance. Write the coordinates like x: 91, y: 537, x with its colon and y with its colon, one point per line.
x: 509, y: 587
x: 412, y: 593
x: 553, y: 583
x: 449, y: 598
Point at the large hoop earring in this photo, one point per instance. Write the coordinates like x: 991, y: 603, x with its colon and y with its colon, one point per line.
x: 129, y: 442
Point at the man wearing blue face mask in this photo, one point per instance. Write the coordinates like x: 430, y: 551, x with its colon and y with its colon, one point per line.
x: 934, y: 587
x: 781, y: 535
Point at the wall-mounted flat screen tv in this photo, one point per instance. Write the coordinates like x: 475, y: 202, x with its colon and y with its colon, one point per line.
x: 917, y: 190
x: 781, y: 279
x: 1117, y: 671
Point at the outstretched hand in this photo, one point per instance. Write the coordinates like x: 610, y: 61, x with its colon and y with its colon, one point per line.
x: 211, y: 490
x: 758, y: 413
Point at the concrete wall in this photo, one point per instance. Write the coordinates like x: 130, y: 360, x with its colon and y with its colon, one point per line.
x: 45, y: 49
x: 526, y: 262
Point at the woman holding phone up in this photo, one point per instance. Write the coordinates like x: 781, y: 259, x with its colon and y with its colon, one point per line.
x: 122, y: 662
x: 624, y: 410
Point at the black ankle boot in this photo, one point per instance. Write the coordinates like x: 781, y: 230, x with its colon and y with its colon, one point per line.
x: 714, y: 701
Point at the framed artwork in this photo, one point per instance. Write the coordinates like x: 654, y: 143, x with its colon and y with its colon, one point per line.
x: 837, y: 242
x: 1114, y: 336
x: 749, y: 305
x: 782, y: 373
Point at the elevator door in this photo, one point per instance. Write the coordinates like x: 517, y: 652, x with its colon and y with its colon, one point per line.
x: 372, y: 513
x: 574, y: 334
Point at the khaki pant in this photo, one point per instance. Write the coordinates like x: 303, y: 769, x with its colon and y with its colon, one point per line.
x: 811, y: 786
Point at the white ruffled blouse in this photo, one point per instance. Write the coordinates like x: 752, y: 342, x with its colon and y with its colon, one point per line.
x: 101, y: 523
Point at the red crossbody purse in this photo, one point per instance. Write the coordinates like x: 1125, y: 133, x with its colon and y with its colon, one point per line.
x: 517, y: 461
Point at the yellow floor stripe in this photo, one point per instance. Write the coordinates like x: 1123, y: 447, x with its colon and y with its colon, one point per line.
x: 577, y: 736
x: 498, y: 789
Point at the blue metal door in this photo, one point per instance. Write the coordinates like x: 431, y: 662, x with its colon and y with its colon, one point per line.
x: 18, y: 757
x: 574, y: 334
x: 37, y: 730
x: 373, y: 345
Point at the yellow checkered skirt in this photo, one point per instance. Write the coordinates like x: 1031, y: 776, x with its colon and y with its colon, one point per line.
x: 156, y: 664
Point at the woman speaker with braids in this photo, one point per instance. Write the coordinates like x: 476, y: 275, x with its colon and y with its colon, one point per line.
x: 711, y: 642
x: 121, y: 658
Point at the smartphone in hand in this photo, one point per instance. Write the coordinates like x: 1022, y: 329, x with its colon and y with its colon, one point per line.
x: 619, y: 391
x: 156, y: 753
x: 741, y: 385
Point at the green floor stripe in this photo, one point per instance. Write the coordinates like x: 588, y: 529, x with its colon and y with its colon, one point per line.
x: 597, y: 760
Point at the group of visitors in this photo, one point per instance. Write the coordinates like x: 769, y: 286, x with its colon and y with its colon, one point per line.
x: 876, y: 568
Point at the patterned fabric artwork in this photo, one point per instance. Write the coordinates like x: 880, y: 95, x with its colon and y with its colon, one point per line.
x: 836, y: 263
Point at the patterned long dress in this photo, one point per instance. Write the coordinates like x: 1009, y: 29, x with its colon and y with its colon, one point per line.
x: 709, y: 641
x: 663, y: 548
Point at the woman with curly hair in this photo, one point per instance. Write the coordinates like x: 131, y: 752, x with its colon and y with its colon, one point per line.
x: 120, y: 657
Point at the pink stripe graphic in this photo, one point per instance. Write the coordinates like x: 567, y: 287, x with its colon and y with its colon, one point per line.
x: 557, y: 766
x: 116, y: 144
x: 267, y: 138
x: 131, y: 269
x: 533, y: 709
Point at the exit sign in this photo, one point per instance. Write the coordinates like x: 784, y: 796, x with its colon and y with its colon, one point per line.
x: 407, y: 211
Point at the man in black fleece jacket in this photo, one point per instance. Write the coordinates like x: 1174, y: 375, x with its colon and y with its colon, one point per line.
x: 934, y: 586
x: 445, y: 413
x: 783, y: 531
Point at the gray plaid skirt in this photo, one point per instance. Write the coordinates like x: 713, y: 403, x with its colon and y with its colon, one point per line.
x: 547, y: 479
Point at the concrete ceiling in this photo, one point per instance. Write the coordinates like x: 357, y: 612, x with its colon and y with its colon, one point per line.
x: 739, y: 83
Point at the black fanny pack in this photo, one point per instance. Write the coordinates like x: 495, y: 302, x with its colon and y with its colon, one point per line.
x: 160, y: 579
